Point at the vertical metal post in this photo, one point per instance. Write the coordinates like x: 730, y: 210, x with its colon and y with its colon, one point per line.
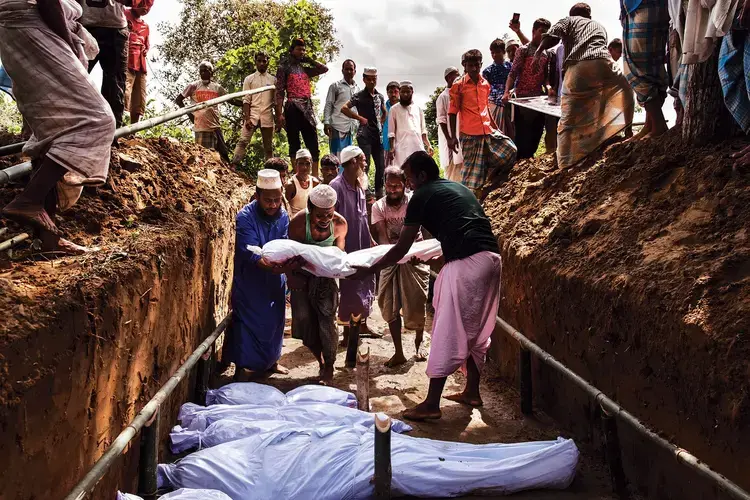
x: 353, y: 344
x: 149, y: 458
x: 613, y: 455
x: 203, y: 376
x: 527, y: 395
x: 382, y: 479
x: 363, y: 379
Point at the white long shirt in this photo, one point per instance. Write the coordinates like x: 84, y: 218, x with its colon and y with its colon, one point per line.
x: 446, y: 155
x: 406, y: 125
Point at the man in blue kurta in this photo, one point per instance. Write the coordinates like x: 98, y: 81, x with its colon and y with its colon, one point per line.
x: 258, y: 288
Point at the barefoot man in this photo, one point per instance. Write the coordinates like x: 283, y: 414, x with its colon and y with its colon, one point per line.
x: 315, y: 300
x: 402, y: 288
x: 255, y: 337
x: 72, y: 124
x: 467, y: 291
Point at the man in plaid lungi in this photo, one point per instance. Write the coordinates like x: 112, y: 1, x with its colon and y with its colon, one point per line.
x: 485, y: 149
x: 645, y: 26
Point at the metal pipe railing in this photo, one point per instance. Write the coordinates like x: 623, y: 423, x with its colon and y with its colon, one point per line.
x: 18, y: 171
x: 11, y: 149
x: 612, y: 409
x: 144, y: 417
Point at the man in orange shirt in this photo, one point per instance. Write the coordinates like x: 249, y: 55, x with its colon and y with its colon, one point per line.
x: 138, y: 45
x: 484, y: 148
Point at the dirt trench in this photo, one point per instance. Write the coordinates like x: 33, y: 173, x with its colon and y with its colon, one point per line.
x: 86, y: 341
x: 633, y: 269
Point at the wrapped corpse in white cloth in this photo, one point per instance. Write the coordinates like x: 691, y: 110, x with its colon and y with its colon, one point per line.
x: 331, y: 262
x: 182, y: 494
x: 241, y: 393
x: 337, y: 462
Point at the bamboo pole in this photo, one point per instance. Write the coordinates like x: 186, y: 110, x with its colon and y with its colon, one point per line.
x: 351, y: 348
x: 8, y: 244
x: 363, y: 379
x: 383, y: 472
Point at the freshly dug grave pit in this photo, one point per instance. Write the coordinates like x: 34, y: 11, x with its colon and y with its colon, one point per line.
x: 86, y: 341
x: 633, y: 269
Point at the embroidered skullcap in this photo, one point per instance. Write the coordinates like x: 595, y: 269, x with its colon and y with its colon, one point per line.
x: 370, y: 71
x: 406, y: 83
x: 349, y: 153
x: 269, y: 179
x: 323, y: 196
x: 303, y: 153
x: 449, y: 70
x: 207, y: 65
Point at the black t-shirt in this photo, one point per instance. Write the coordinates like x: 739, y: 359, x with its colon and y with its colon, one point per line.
x: 451, y: 213
x: 371, y: 107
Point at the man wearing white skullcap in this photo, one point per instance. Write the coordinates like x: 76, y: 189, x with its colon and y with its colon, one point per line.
x: 301, y: 183
x: 407, y: 130
x: 206, y: 122
x: 255, y: 337
x: 356, y: 295
x: 371, y: 114
x: 315, y: 299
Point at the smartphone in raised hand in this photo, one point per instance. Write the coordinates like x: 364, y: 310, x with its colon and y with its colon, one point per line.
x: 516, y: 17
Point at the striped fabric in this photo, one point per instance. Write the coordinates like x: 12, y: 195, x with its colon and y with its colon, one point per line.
x: 734, y: 73
x: 71, y: 122
x: 206, y: 139
x: 584, y: 39
x: 645, y: 37
x: 484, y: 154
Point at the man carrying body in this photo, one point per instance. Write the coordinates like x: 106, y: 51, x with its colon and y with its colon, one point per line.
x: 257, y: 110
x: 370, y: 114
x: 315, y: 299
x: 530, y: 73
x: 329, y: 168
x: 206, y: 122
x: 487, y: 153
x: 337, y: 126
x: 255, y: 337
x: 138, y: 45
x: 496, y: 75
x: 299, y: 186
x: 356, y: 295
x: 406, y: 127
x: 72, y: 124
x: 597, y: 103
x: 452, y: 163
x: 297, y: 115
x: 402, y: 289
x: 392, y: 91
x: 467, y: 291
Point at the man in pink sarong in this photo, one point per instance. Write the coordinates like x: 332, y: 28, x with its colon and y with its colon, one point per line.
x: 467, y: 291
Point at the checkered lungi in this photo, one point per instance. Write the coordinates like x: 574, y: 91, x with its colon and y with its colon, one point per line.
x: 645, y: 37
x: 484, y: 154
x: 734, y: 74
x: 207, y: 139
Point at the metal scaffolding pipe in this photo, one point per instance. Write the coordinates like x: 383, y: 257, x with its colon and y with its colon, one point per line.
x: 8, y: 244
x: 11, y: 149
x: 18, y: 171
x: 89, y: 481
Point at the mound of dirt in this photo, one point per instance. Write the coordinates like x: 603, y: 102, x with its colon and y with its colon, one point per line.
x: 634, y: 268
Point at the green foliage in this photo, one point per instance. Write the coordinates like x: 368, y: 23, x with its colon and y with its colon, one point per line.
x: 10, y: 119
x: 229, y: 33
x: 180, y: 129
x: 430, y: 115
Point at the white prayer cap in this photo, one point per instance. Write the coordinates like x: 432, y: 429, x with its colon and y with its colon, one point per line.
x: 269, y: 179
x: 207, y: 65
x: 303, y: 153
x: 449, y: 70
x: 323, y: 196
x: 512, y: 41
x: 407, y: 83
x: 349, y: 153
x: 370, y: 71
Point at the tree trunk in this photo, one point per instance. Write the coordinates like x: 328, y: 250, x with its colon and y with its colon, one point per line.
x: 706, y: 117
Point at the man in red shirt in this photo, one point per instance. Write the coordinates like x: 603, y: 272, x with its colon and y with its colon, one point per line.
x: 138, y: 45
x: 484, y: 147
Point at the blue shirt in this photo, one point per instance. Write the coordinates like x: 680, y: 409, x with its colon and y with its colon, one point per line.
x: 386, y: 139
x: 258, y: 296
x: 497, y: 75
x: 631, y: 5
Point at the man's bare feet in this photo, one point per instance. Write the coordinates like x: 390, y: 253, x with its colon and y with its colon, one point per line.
x: 397, y: 360
x: 52, y: 243
x: 421, y: 354
x: 641, y: 133
x: 32, y: 215
x: 326, y: 375
x: 364, y: 331
x: 465, y: 399
x: 422, y: 412
x: 277, y: 368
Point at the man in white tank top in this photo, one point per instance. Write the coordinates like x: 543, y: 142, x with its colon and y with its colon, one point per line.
x: 299, y: 186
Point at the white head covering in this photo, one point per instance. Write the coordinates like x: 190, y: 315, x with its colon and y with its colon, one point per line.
x: 370, y: 71
x: 407, y: 83
x: 303, y: 153
x: 449, y: 70
x: 349, y: 153
x: 206, y: 64
x: 269, y: 179
x: 323, y: 196
x: 512, y: 41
